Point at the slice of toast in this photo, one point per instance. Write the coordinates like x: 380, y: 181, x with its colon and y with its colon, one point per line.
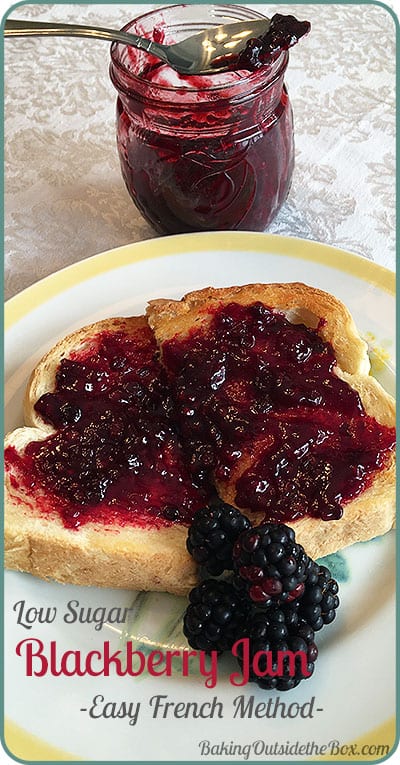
x: 153, y: 556
x: 137, y: 554
x: 366, y: 515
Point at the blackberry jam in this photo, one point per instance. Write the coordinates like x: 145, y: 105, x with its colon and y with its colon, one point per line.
x: 114, y: 456
x: 204, y: 152
x: 258, y: 403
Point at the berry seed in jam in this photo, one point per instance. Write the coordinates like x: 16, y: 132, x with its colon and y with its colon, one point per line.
x: 260, y: 398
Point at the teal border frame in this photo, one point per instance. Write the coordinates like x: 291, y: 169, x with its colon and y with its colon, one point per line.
x: 392, y: 13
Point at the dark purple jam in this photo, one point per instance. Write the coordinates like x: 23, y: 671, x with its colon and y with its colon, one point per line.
x: 211, y: 152
x: 258, y: 404
x: 184, y: 183
x: 283, y: 32
x: 253, y: 401
x: 115, y: 456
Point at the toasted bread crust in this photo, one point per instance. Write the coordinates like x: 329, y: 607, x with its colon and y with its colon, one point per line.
x: 156, y: 558
x: 169, y: 318
x: 373, y: 512
x: 115, y: 556
x: 43, y: 377
x: 128, y: 556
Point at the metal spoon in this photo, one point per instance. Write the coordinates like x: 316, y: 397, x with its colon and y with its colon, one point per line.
x: 195, y: 55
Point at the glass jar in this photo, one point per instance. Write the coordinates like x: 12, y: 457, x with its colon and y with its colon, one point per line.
x: 201, y: 152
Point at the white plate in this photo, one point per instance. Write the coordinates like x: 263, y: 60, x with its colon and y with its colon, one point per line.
x: 353, y: 685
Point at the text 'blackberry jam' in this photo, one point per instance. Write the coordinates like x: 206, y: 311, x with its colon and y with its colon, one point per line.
x: 205, y: 152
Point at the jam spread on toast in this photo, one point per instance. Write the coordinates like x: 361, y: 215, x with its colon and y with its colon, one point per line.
x: 259, y: 405
x: 115, y: 456
x: 253, y: 401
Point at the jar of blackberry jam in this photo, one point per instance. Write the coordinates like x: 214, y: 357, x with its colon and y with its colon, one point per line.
x: 203, y: 152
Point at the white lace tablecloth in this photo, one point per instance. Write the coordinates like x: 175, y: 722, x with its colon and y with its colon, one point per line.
x: 64, y: 195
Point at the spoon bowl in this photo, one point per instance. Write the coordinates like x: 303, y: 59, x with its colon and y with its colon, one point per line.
x: 208, y: 52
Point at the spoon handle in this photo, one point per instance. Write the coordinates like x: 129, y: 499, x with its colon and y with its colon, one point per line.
x: 22, y: 28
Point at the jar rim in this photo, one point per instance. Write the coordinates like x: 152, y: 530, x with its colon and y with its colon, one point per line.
x: 251, y: 77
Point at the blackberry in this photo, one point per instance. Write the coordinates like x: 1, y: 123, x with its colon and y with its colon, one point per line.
x: 213, y: 532
x: 275, y: 630
x: 320, y: 600
x: 214, y: 617
x: 269, y: 566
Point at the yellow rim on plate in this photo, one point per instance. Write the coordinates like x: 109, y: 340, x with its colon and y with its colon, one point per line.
x: 26, y: 746
x: 379, y: 742
x: 303, y: 249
